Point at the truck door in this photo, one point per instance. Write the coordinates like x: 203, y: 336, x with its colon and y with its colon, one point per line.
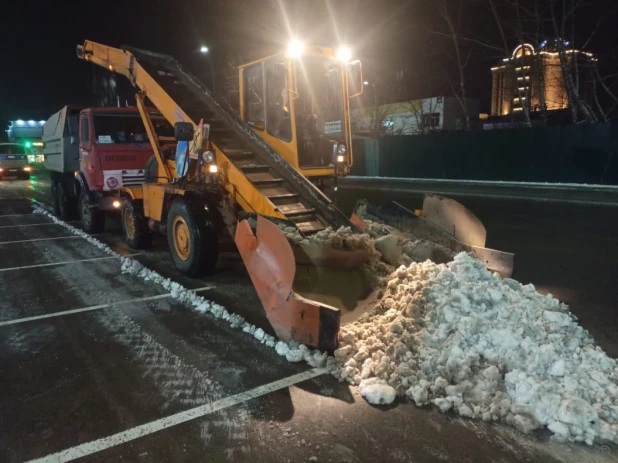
x: 87, y: 161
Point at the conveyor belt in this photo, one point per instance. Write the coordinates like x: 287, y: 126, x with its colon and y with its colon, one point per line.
x: 290, y: 192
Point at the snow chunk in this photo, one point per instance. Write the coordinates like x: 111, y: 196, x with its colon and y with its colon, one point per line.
x: 376, y: 391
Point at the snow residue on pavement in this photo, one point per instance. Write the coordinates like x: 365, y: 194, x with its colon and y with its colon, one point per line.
x: 293, y: 351
x: 462, y: 338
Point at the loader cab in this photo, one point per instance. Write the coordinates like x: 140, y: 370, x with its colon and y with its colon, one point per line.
x: 298, y: 103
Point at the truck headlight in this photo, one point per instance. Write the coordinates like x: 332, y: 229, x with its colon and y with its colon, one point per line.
x: 340, y: 158
x: 213, y: 168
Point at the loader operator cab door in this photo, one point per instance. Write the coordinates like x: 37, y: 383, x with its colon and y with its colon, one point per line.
x: 297, y: 107
x: 318, y: 108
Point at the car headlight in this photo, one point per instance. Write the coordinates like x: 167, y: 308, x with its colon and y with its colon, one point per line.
x: 27, y: 168
x: 208, y: 156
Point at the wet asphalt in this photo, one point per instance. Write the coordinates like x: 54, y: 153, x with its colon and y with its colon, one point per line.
x: 72, y: 379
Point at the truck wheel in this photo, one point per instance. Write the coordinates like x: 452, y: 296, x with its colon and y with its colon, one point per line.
x: 63, y: 203
x: 135, y: 227
x: 54, y: 197
x: 192, y: 239
x: 93, y: 220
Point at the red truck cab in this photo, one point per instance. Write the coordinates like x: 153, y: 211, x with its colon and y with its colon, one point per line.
x: 91, y: 154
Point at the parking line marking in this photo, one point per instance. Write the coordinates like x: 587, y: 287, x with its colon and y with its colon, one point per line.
x: 164, y: 423
x: 92, y: 307
x: 51, y: 264
x: 43, y: 239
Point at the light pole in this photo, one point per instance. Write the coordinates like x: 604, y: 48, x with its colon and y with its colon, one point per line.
x: 204, y: 50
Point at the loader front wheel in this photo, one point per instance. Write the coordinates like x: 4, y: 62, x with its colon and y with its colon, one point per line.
x: 192, y: 239
x: 135, y: 227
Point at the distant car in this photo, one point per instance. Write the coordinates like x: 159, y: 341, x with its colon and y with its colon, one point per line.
x: 14, y: 161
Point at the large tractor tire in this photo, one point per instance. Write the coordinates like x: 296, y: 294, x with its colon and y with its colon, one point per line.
x: 135, y: 226
x: 192, y: 238
x: 92, y: 219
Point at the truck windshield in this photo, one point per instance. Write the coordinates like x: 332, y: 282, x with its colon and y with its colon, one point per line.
x: 12, y: 149
x: 126, y: 128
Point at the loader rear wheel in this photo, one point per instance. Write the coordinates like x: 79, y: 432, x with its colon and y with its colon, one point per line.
x: 192, y: 239
x: 135, y: 227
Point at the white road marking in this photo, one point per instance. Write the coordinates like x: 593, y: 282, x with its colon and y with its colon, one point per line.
x: 44, y: 239
x: 51, y: 264
x: 149, y: 428
x: 92, y: 307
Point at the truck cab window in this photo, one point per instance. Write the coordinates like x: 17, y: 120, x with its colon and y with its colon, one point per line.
x: 254, y: 96
x: 85, y: 130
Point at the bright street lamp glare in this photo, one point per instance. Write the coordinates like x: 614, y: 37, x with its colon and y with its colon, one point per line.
x: 344, y: 54
x: 295, y: 49
x: 204, y: 49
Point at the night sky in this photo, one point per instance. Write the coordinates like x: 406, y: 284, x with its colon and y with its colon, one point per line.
x: 41, y: 73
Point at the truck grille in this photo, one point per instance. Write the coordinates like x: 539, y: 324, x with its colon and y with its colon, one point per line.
x: 132, y: 177
x: 120, y: 158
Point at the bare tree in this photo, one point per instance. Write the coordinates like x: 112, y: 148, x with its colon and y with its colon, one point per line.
x: 454, y: 35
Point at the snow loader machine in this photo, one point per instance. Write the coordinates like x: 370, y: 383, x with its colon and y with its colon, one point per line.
x: 248, y: 174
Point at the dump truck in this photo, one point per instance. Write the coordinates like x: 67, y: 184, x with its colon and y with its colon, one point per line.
x: 91, y: 153
x: 248, y: 173
x: 14, y: 161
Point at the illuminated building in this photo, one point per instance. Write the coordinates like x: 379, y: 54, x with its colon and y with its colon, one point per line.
x: 517, y: 80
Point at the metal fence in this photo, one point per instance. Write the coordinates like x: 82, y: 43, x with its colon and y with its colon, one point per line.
x: 557, y: 154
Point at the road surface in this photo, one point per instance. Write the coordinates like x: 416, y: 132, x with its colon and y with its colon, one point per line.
x: 114, y: 382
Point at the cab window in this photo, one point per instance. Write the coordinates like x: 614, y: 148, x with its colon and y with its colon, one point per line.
x: 84, y: 130
x: 278, y: 121
x: 253, y: 83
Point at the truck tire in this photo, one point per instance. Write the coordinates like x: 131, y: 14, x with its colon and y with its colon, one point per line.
x: 92, y: 219
x: 192, y: 239
x: 63, y: 203
x: 54, y: 197
x: 135, y: 226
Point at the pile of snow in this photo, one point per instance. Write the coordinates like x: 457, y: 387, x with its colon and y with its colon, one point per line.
x: 461, y: 338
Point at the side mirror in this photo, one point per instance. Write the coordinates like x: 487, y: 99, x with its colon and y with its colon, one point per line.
x: 354, y: 70
x: 183, y: 131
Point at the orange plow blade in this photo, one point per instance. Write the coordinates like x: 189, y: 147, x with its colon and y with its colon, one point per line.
x: 270, y: 261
